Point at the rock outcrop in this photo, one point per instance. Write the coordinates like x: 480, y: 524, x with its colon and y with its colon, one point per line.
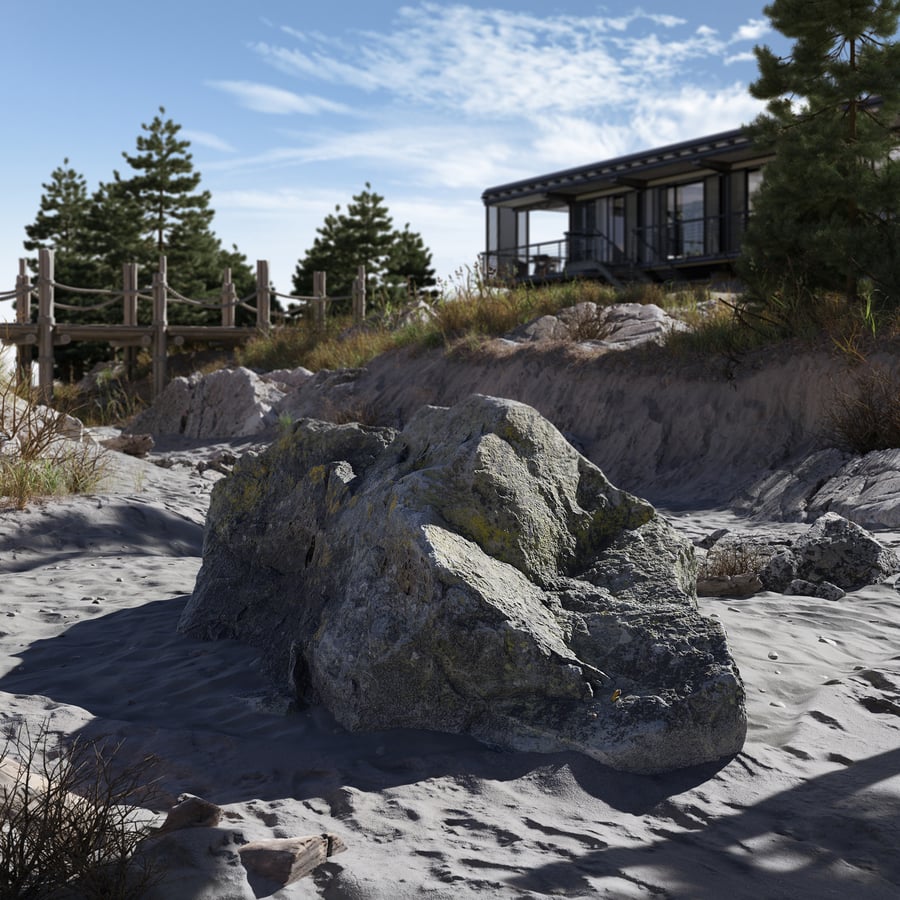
x: 865, y: 489
x: 620, y: 326
x: 825, y: 559
x: 833, y: 551
x: 225, y: 403
x: 472, y: 573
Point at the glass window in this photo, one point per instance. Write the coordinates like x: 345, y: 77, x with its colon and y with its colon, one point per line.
x: 685, y: 220
x: 754, y: 180
x: 493, y: 228
x: 599, y: 231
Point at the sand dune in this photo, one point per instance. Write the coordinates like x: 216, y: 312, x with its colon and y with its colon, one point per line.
x: 92, y: 588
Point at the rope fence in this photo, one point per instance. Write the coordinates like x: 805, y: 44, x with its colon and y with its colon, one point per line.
x: 46, y: 332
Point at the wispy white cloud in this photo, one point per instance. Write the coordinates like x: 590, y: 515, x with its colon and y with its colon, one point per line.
x: 751, y: 30
x: 740, y: 58
x: 566, y: 141
x: 454, y: 98
x: 267, y: 99
x: 491, y: 62
x: 693, y: 112
x: 426, y: 155
x: 206, y: 139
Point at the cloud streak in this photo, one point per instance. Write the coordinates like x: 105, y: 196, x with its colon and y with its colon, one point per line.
x: 455, y: 98
x: 495, y: 63
x: 267, y: 99
x: 208, y: 140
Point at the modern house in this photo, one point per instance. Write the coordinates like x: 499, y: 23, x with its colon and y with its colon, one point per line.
x: 672, y: 213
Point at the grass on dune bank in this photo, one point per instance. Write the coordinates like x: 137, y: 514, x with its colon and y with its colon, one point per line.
x: 863, y: 417
x: 471, y: 312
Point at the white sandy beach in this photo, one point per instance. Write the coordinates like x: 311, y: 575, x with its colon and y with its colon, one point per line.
x: 92, y: 589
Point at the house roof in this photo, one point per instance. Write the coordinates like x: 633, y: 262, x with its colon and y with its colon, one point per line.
x: 717, y: 152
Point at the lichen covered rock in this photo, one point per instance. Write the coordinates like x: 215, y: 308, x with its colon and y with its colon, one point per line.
x: 473, y: 573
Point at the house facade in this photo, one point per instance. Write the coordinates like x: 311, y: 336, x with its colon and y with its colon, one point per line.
x: 675, y: 213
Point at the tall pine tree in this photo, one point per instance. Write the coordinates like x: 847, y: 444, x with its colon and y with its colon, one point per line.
x: 62, y: 224
x: 363, y: 236
x: 828, y: 212
x: 156, y: 210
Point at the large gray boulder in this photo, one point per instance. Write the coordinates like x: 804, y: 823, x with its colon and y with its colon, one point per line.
x: 473, y: 573
x: 864, y: 489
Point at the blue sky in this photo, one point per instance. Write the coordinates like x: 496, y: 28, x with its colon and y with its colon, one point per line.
x: 291, y: 107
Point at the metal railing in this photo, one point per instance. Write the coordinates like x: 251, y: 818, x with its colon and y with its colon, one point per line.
x: 648, y: 247
x: 528, y: 262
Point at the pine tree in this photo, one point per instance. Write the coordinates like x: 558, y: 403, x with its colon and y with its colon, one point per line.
x: 114, y: 233
x: 174, y: 220
x: 165, y: 183
x: 828, y: 212
x: 157, y: 210
x: 62, y: 224
x: 363, y: 236
x: 60, y: 218
x: 409, y: 262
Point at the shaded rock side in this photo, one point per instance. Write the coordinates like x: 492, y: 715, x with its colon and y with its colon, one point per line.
x: 864, y: 489
x: 472, y: 573
x: 833, y: 551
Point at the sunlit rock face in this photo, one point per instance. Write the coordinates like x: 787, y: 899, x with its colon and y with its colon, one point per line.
x: 473, y: 573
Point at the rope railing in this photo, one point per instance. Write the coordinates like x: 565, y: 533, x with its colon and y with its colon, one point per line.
x: 71, y: 306
x: 327, y: 299
x: 78, y: 290
x: 205, y: 304
x: 44, y: 332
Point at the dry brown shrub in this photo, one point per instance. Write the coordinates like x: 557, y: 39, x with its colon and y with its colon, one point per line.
x: 866, y: 416
x: 732, y: 558
x: 71, y: 819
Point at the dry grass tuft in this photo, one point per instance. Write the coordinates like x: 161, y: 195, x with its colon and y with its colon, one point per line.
x: 38, y: 456
x: 731, y: 558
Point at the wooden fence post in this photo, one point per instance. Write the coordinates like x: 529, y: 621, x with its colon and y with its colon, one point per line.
x: 359, y: 296
x: 129, y: 312
x: 319, y: 301
x: 23, y: 317
x: 46, y: 321
x: 160, y: 323
x: 229, y: 300
x: 263, y: 298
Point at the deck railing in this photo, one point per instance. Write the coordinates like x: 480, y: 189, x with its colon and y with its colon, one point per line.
x: 651, y: 247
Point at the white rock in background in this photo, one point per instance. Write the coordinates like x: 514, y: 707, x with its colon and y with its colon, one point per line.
x: 288, y: 378
x: 225, y: 403
x: 615, y: 327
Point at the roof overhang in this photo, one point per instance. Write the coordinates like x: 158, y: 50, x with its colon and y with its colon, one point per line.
x: 716, y: 153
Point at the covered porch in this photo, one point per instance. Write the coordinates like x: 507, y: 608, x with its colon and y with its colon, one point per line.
x: 676, y: 213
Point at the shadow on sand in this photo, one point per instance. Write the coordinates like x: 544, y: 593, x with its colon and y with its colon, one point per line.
x: 201, y: 707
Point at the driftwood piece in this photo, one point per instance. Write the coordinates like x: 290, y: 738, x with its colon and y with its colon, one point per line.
x: 192, y: 812
x: 131, y: 444
x: 285, y: 860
